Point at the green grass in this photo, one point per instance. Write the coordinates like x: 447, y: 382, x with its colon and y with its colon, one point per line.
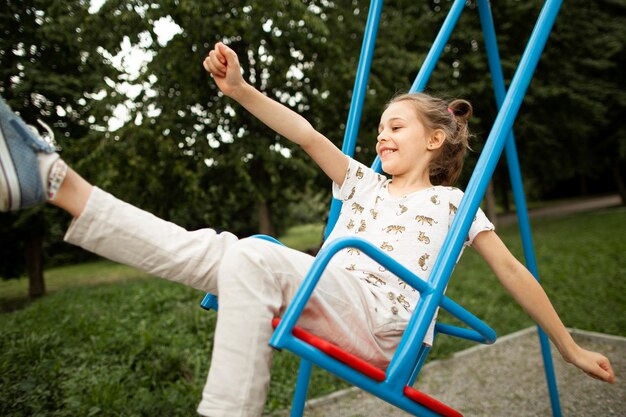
x: 135, y: 348
x: 582, y: 262
x: 108, y: 341
x: 14, y: 292
x: 304, y: 237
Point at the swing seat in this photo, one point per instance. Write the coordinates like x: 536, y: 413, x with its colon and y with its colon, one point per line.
x: 369, y: 370
x: 395, y: 384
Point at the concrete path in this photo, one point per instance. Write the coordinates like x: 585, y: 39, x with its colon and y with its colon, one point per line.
x: 566, y: 208
x: 505, y: 379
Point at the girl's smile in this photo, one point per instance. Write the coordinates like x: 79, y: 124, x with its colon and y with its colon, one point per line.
x: 385, y: 150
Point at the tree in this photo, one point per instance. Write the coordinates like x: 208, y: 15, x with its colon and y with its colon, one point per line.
x: 568, y: 129
x: 236, y: 165
x: 586, y: 110
x: 558, y: 117
x: 51, y: 66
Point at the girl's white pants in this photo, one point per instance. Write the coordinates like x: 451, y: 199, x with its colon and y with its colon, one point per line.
x: 255, y: 281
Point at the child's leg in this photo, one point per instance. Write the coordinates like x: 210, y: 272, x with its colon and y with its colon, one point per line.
x: 257, y: 280
x: 121, y: 232
x: 73, y: 193
x: 32, y: 173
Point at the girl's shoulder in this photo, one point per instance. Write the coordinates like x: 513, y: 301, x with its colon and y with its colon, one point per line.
x: 359, y: 169
x: 361, y: 175
x: 447, y: 190
x: 453, y: 195
x: 360, y: 182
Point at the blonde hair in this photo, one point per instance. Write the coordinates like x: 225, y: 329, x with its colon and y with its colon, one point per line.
x: 452, y: 119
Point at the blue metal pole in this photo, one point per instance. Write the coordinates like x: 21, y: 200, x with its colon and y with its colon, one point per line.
x: 518, y: 190
x: 358, y: 97
x: 355, y: 377
x: 302, y: 386
x: 438, y: 45
x: 430, y: 62
x: 485, y: 167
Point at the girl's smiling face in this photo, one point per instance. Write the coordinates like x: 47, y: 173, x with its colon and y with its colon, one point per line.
x: 402, y: 142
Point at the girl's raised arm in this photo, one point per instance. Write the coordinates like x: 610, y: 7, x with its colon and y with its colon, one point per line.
x: 520, y: 283
x: 223, y: 65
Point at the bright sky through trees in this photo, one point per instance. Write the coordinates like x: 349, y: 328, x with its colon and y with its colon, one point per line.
x: 133, y: 58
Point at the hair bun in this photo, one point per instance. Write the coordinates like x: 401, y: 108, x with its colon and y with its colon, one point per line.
x: 461, y: 109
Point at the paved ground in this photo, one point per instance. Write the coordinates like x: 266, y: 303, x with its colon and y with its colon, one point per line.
x: 505, y: 379
x: 566, y: 208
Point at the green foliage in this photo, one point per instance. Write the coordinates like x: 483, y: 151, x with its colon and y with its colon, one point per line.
x: 13, y: 292
x: 51, y: 64
x: 571, y: 109
x: 139, y: 348
x: 575, y: 103
x: 248, y: 164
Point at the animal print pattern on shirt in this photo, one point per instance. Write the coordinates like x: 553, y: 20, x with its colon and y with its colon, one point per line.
x: 411, y: 229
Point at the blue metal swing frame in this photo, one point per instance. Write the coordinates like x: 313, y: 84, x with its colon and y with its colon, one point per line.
x: 411, y: 353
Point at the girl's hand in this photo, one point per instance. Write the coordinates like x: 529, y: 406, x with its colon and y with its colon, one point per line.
x: 594, y: 364
x: 223, y: 64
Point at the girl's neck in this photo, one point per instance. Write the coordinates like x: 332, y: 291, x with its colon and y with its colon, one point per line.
x: 401, y: 186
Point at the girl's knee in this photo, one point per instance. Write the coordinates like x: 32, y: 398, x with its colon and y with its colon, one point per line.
x: 242, y: 250
x: 244, y: 258
x: 246, y: 271
x: 256, y: 263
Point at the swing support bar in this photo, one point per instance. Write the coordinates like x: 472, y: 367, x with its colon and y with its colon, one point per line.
x: 515, y: 175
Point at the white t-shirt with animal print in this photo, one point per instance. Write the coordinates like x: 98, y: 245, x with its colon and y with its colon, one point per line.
x: 410, y: 228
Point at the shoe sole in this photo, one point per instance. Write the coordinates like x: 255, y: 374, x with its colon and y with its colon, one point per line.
x: 9, y: 184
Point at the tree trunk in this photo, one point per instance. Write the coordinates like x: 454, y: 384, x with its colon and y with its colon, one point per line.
x: 619, y: 182
x: 33, y: 254
x: 266, y: 226
x: 582, y: 184
x: 504, y: 193
x: 490, y: 209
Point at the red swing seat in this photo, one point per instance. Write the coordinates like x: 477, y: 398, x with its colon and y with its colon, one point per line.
x: 369, y: 370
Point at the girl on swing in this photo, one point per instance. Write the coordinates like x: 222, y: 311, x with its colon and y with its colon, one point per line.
x: 357, y: 305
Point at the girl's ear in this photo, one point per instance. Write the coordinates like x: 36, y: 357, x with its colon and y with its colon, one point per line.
x: 436, y: 139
